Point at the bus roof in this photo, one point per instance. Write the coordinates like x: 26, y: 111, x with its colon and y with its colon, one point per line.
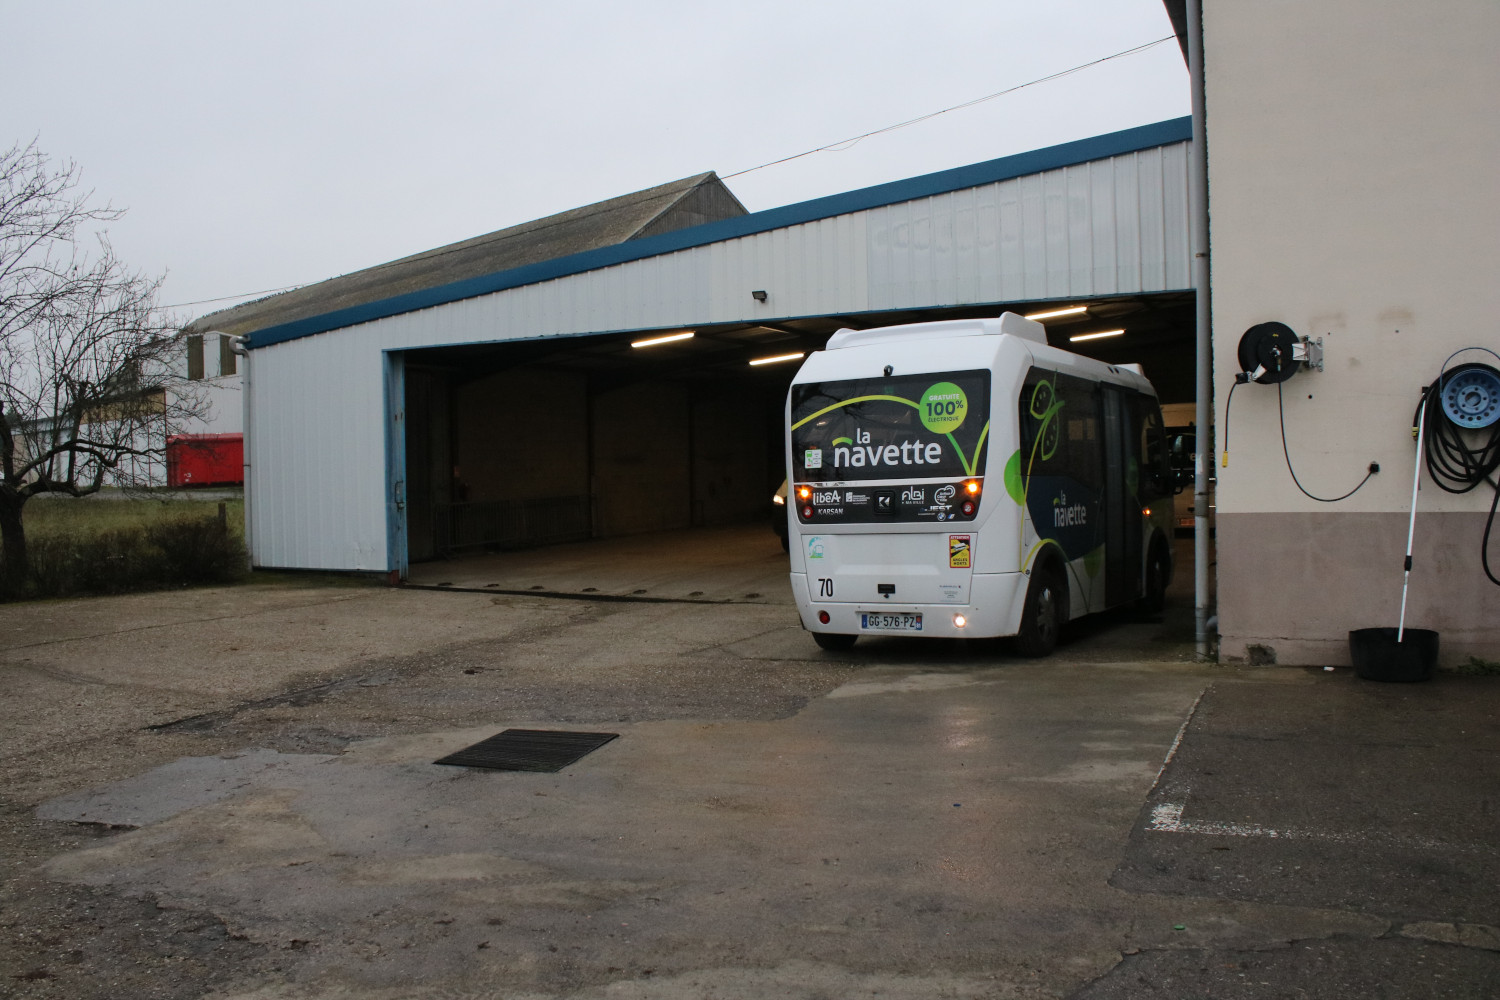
x: 1011, y: 323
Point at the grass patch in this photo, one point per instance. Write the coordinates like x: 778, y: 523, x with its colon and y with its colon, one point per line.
x: 52, y: 517
x: 1477, y: 667
x: 116, y: 545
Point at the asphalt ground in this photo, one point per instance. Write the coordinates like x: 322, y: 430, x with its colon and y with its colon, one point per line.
x: 230, y: 793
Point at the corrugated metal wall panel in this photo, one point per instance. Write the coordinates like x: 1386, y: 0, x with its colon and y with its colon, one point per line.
x: 1104, y: 226
x: 1055, y: 224
x: 1033, y: 236
x: 1128, y: 225
x: 1177, y: 244
x: 318, y: 456
x: 1153, y: 225
x: 1109, y: 227
x: 1080, y: 230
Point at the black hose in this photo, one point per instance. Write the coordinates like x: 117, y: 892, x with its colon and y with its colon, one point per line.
x: 1227, y: 404
x: 1457, y: 463
x: 1281, y: 414
x: 1484, y: 543
x: 1459, y: 459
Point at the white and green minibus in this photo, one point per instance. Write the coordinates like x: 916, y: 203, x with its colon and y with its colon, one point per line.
x: 963, y: 479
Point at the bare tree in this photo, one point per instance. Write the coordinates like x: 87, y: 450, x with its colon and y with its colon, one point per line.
x: 89, y: 374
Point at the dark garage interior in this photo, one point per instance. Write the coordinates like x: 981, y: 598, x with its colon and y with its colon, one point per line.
x: 536, y: 442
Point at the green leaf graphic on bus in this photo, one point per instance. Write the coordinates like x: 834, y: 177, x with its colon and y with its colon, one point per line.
x: 1014, y: 484
x: 1045, y: 406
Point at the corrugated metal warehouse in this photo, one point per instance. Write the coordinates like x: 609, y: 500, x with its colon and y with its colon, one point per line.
x: 486, y: 392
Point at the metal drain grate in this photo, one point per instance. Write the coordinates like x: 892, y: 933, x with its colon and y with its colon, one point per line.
x: 528, y: 750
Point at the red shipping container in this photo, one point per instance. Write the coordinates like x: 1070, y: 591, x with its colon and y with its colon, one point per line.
x: 205, y: 460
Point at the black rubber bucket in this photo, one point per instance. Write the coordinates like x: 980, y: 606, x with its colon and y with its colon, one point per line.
x: 1378, y: 656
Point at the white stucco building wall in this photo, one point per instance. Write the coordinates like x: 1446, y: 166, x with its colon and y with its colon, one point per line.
x: 1352, y: 151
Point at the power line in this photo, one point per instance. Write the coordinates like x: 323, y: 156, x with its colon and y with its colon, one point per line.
x: 226, y: 298
x: 847, y: 143
x: 839, y: 146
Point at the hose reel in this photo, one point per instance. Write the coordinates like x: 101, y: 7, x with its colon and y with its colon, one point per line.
x: 1272, y: 352
x: 1269, y: 354
x: 1462, y: 447
x: 1471, y: 396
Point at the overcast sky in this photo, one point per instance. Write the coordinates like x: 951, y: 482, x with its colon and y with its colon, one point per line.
x: 267, y: 144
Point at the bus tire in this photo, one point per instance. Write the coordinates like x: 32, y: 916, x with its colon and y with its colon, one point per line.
x: 831, y: 640
x: 1046, y: 610
x: 1158, y: 573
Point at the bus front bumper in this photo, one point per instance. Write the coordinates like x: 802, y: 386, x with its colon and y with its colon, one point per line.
x: 994, y: 609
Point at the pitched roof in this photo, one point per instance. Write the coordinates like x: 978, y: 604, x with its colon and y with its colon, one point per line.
x: 661, y: 209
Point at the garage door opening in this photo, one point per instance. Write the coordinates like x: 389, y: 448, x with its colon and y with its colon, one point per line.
x: 528, y: 444
x: 513, y: 446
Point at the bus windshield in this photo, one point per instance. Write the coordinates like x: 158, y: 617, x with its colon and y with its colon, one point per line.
x: 933, y: 425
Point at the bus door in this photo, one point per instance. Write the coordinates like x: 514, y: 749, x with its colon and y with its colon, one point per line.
x: 1122, y: 509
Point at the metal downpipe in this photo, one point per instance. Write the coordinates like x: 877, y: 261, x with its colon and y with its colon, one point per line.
x: 1198, y: 197
x: 242, y: 348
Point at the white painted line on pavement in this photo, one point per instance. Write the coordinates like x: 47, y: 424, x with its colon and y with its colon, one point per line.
x: 1177, y: 742
x: 1167, y: 818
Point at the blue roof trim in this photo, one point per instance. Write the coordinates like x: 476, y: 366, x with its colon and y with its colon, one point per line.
x: 989, y: 172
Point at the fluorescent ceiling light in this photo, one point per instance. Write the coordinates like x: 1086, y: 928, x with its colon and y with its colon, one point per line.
x: 1053, y: 313
x: 779, y: 357
x: 652, y: 341
x: 1096, y: 336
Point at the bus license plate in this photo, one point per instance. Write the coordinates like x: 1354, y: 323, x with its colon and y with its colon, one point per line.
x: 887, y: 621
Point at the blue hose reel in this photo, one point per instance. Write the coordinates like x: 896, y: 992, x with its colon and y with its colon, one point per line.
x: 1471, y: 396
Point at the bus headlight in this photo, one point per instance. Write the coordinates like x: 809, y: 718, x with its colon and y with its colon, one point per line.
x: 959, y: 621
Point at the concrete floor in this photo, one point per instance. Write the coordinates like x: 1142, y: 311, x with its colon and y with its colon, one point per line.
x: 230, y: 793
x: 741, y: 563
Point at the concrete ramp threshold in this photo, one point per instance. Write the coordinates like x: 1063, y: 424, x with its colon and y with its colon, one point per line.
x: 737, y: 564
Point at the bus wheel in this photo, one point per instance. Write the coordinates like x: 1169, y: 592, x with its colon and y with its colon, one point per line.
x: 829, y: 640
x: 1155, y: 597
x: 1046, y: 609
